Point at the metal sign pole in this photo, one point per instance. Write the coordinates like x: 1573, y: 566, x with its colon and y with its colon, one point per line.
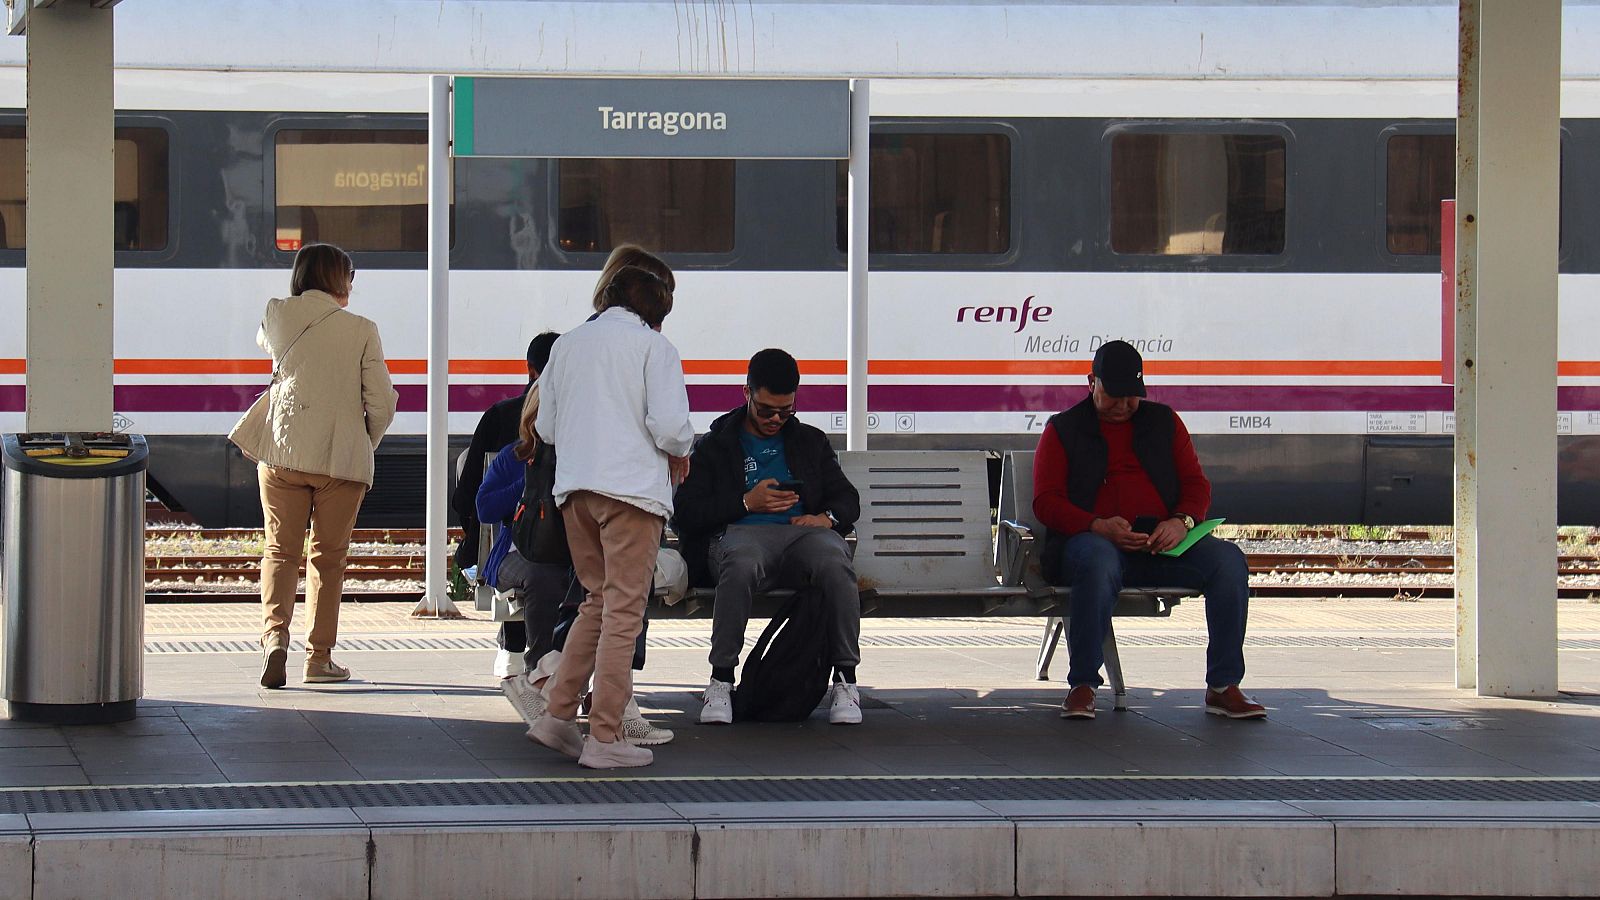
x: 435, y: 595
x: 856, y: 265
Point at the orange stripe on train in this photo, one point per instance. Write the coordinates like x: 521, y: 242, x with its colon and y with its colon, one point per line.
x: 837, y: 367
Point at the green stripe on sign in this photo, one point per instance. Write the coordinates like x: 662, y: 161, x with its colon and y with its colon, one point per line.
x: 465, y: 115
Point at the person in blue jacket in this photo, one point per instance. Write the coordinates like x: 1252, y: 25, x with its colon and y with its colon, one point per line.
x: 541, y: 586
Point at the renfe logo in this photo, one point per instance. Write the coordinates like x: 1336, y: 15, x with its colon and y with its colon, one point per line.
x: 1021, y: 315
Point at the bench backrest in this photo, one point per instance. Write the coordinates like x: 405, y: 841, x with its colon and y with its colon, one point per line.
x: 1016, y: 491
x: 924, y: 518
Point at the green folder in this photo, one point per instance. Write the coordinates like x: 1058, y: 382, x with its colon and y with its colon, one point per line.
x: 1196, y: 533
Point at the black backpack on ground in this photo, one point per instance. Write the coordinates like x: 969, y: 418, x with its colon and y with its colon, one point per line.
x: 786, y: 674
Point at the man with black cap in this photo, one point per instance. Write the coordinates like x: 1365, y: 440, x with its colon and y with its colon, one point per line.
x: 1116, y: 482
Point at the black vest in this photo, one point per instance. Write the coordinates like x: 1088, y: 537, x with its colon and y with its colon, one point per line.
x: 1088, y: 456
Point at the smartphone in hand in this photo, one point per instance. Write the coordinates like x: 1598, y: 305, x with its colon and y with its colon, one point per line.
x: 792, y: 487
x: 1146, y: 524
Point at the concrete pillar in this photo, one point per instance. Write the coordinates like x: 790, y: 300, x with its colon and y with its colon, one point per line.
x: 1466, y: 347
x: 1512, y: 434
x: 70, y: 193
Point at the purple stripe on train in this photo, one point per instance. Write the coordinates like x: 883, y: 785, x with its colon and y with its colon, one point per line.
x: 182, y: 398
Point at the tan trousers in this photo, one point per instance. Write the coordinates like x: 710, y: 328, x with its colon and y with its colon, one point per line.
x: 614, y: 549
x: 290, y: 500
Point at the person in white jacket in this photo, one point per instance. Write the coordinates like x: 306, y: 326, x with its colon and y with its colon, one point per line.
x: 312, y: 436
x: 613, y: 403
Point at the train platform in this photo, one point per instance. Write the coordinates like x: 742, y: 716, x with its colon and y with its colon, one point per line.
x: 1373, y: 774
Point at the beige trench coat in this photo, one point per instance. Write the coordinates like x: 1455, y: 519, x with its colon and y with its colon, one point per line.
x: 331, y: 400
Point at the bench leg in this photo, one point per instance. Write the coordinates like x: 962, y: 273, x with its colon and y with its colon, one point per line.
x: 1114, y: 670
x: 1053, y: 627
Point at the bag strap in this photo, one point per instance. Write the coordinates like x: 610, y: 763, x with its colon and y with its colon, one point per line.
x: 784, y: 615
x: 277, y: 361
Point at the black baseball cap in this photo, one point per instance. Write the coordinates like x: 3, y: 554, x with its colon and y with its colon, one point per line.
x: 1120, y: 369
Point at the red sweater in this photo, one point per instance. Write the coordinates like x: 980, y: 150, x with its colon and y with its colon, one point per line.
x: 1127, y: 490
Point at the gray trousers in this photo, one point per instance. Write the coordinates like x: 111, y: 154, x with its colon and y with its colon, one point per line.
x: 543, y: 586
x: 751, y: 558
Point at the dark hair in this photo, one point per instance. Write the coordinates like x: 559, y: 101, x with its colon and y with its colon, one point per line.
x: 539, y: 350
x: 640, y: 290
x: 625, y: 255
x: 322, y: 267
x: 774, y: 370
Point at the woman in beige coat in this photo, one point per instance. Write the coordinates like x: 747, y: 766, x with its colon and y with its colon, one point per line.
x: 312, y: 435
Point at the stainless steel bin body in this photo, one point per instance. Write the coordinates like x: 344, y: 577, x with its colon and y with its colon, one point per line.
x: 72, y: 581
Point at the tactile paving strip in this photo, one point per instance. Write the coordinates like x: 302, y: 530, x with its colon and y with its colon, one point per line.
x: 783, y: 790
x: 900, y: 641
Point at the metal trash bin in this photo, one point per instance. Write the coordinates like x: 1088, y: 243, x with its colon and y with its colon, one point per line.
x: 72, y: 576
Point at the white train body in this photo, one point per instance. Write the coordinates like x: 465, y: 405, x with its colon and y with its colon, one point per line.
x: 1301, y: 364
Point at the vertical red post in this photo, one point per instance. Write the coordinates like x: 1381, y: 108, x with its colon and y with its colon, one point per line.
x: 1447, y: 298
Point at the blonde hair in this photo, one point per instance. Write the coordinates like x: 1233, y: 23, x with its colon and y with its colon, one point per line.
x: 322, y: 267
x: 622, y: 257
x: 527, y: 438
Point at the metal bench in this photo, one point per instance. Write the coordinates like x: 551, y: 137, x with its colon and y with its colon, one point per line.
x: 1016, y: 558
x: 924, y: 545
x: 925, y: 539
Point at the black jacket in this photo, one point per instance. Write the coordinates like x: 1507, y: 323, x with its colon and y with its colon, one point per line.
x: 712, y: 498
x: 495, y: 430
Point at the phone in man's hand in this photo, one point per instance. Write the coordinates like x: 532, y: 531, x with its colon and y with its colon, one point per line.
x: 1146, y: 524
x: 792, y: 487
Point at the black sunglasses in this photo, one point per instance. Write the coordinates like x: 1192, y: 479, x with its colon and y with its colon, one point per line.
x: 763, y: 411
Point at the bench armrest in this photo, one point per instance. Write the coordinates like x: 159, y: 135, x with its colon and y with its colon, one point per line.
x: 1014, y: 542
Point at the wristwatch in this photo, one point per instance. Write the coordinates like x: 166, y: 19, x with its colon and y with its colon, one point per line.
x: 829, y: 514
x: 1188, y: 520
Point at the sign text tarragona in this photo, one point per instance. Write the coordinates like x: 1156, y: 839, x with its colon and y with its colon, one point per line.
x: 668, y: 123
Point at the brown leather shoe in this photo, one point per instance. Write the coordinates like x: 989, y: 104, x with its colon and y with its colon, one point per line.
x: 1232, y: 702
x: 1079, y: 703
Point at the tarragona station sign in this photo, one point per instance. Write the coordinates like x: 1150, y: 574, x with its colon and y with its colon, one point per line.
x: 650, y: 118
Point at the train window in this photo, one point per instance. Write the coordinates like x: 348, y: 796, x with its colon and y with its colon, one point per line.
x: 361, y: 189
x: 1421, y: 173
x: 935, y: 193
x: 141, y: 198
x: 1197, y: 194
x: 668, y: 205
x: 13, y: 187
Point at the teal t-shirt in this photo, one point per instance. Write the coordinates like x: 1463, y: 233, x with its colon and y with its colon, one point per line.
x: 763, y: 459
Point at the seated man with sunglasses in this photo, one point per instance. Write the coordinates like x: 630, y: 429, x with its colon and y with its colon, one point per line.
x: 766, y: 505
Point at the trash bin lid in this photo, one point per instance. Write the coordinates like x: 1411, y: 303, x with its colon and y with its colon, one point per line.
x: 75, y: 454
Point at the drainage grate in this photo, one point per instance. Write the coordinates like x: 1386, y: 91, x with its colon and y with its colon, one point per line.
x: 783, y: 790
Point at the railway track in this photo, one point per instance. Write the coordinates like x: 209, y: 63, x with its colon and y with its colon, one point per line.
x: 185, y: 574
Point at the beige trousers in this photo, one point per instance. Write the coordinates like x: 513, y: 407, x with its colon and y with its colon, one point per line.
x: 290, y: 501
x: 614, y: 548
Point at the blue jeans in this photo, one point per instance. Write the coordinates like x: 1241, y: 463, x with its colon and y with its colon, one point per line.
x: 1096, y: 570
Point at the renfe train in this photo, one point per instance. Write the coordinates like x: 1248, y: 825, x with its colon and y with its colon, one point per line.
x: 1250, y: 195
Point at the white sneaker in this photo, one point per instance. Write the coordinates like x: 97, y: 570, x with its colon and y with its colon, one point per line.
x: 526, y: 699
x: 846, y: 708
x: 507, y: 664
x: 560, y: 735
x: 718, y: 703
x: 615, y: 755
x: 639, y: 732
